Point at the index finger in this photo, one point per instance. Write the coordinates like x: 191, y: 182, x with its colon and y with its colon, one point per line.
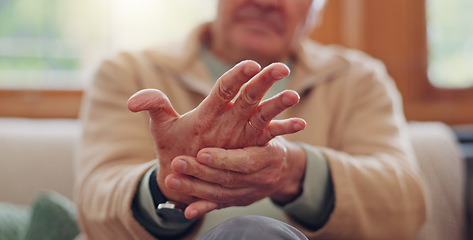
x: 252, y: 93
x: 237, y: 160
x: 227, y: 87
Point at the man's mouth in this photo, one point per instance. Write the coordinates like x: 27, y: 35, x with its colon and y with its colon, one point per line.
x: 268, y: 18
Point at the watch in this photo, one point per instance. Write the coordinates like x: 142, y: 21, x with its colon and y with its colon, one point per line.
x: 171, y: 213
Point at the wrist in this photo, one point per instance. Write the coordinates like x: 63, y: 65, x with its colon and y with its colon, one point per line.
x: 295, y: 167
x: 181, y: 199
x: 169, y: 219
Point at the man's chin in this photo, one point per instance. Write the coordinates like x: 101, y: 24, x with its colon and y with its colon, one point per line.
x: 262, y: 55
x: 260, y: 44
x: 257, y: 45
x: 265, y: 48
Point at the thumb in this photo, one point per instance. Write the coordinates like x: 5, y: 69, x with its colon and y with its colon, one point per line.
x: 155, y: 102
x: 199, y: 208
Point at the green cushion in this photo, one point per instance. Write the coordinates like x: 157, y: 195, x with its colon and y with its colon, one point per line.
x: 13, y: 221
x: 53, y: 217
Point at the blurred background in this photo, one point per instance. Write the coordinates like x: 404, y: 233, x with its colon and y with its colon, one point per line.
x: 50, y: 48
x: 53, y: 46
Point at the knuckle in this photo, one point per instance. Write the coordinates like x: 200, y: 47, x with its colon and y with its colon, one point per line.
x: 248, y: 100
x: 270, y: 134
x: 228, y: 179
x: 262, y: 117
x: 218, y: 194
x: 225, y: 92
x: 197, y: 171
x: 270, y: 180
x: 226, y: 196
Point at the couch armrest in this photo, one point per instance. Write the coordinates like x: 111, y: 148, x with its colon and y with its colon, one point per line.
x: 443, y: 169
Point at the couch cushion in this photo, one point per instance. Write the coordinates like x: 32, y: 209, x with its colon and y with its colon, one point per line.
x: 36, y: 154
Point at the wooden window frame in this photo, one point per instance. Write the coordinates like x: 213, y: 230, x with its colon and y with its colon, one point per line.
x: 394, y: 31
x: 40, y: 103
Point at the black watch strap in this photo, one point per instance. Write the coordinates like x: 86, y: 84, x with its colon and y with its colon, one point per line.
x: 162, y: 229
x: 156, y: 193
x: 170, y: 213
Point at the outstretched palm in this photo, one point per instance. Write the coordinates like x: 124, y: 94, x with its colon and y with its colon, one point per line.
x: 217, y: 121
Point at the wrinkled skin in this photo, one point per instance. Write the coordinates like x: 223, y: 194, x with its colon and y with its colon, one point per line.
x: 238, y: 177
x: 219, y: 123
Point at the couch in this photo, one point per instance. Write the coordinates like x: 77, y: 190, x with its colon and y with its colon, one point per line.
x: 37, y: 155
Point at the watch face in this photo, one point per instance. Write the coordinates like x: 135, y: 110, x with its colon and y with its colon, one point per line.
x: 167, y: 204
x: 172, y: 215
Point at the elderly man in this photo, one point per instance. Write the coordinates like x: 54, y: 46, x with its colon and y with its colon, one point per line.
x: 330, y: 157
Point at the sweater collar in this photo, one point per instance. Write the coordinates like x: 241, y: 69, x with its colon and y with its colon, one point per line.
x: 313, y: 63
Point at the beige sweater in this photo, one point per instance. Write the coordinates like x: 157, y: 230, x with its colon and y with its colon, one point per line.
x: 353, y: 113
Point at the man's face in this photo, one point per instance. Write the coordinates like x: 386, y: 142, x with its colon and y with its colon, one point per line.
x: 262, y: 28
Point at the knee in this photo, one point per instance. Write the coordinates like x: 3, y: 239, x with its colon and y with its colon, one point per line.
x: 253, y: 227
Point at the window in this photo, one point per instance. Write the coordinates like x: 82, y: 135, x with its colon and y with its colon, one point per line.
x: 396, y: 32
x: 450, y: 43
x: 50, y: 44
x: 49, y: 47
x: 33, y: 45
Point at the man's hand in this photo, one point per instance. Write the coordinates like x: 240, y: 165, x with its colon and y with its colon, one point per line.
x: 218, y: 122
x: 238, y: 177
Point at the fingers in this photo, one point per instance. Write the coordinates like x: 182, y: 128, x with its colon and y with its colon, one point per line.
x: 237, y: 160
x: 202, y: 189
x: 211, y: 194
x: 272, y: 107
x: 153, y: 101
x: 247, y: 160
x: 252, y: 93
x: 222, y: 178
x: 199, y: 208
x: 189, y: 166
x: 227, y: 87
x: 219, y: 188
x: 281, y: 127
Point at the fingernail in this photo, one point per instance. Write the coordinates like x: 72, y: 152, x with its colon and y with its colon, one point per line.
x: 181, y: 165
x: 299, y: 126
x: 286, y: 101
x: 251, y: 70
x: 205, y: 158
x: 279, y: 74
x: 174, y: 184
